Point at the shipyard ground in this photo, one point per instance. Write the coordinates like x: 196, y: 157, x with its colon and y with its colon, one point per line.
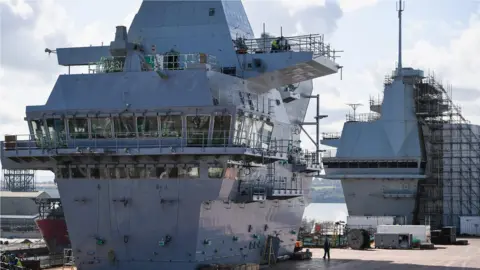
x: 441, y: 258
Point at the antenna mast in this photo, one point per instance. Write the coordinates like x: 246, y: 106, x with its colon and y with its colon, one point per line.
x: 400, y: 9
x: 354, y: 107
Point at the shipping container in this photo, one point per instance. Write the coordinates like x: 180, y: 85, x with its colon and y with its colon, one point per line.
x: 367, y: 222
x: 470, y: 225
x: 395, y: 240
x: 420, y: 232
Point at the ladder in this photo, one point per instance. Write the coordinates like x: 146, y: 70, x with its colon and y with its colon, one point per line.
x: 269, y: 256
x: 68, y: 259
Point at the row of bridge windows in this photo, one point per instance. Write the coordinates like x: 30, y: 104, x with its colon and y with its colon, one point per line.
x: 187, y: 172
x: 248, y: 131
x: 131, y: 126
x: 372, y: 164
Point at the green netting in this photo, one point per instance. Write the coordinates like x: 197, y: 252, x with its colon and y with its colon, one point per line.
x: 150, y: 59
x: 416, y: 241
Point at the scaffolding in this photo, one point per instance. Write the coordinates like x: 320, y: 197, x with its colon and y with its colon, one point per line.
x: 451, y: 149
x: 18, y: 180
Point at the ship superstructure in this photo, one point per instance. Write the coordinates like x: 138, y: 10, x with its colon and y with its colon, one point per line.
x: 414, y: 155
x: 181, y: 146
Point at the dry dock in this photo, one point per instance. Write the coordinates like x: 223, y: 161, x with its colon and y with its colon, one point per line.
x: 442, y: 258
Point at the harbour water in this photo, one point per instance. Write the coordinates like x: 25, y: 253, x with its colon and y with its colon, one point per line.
x: 326, y: 212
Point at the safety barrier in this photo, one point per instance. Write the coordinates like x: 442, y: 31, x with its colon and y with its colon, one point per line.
x: 115, y: 141
x: 159, y: 62
x: 307, y: 43
x: 331, y: 135
x: 362, y: 117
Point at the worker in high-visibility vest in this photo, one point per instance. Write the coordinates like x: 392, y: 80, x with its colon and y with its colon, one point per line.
x: 275, y: 46
x: 18, y: 262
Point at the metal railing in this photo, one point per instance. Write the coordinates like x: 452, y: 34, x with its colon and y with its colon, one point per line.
x: 314, y: 43
x: 329, y: 153
x: 116, y: 141
x: 331, y: 135
x: 49, y: 261
x: 267, y: 187
x: 362, y: 117
x: 375, y: 101
x: 159, y: 62
x: 306, y: 158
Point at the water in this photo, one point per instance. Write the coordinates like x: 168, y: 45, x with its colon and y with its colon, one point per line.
x: 326, y: 212
x: 52, y: 191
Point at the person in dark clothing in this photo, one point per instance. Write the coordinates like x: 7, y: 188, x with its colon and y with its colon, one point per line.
x: 326, y: 248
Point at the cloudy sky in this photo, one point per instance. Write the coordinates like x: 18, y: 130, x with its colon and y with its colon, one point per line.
x: 439, y: 35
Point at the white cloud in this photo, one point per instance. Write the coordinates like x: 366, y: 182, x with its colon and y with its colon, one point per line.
x: 346, y: 5
x: 456, y: 63
x: 352, y: 5
x: 19, y: 7
x: 294, y: 6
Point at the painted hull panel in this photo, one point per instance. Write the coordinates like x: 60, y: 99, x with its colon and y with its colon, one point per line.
x: 135, y: 219
x: 366, y: 197
x: 54, y: 233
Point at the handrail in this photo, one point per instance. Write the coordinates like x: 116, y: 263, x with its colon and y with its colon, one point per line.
x: 121, y: 142
x: 220, y: 138
x: 362, y: 117
x: 314, y: 43
x: 331, y: 135
x: 159, y: 62
x: 329, y: 153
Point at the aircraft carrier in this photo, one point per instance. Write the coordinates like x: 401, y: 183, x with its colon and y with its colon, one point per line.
x: 180, y: 146
x: 414, y: 155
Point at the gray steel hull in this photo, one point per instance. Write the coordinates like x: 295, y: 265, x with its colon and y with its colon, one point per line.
x: 134, y: 216
x: 373, y: 197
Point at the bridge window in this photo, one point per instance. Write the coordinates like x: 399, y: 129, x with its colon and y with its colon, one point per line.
x: 157, y: 172
x: 95, y: 173
x: 63, y: 173
x: 38, y: 129
x: 124, y: 127
x: 197, y: 129
x: 109, y: 173
x: 56, y: 129
x: 77, y: 172
x: 172, y: 172
x: 189, y: 172
x: 171, y: 126
x: 256, y: 133
x: 267, y: 134
x: 101, y: 127
x: 121, y: 173
x: 78, y: 128
x: 136, y: 172
x: 215, y: 172
x: 147, y: 126
x: 246, y: 131
x: 221, y: 129
x: 238, y: 130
